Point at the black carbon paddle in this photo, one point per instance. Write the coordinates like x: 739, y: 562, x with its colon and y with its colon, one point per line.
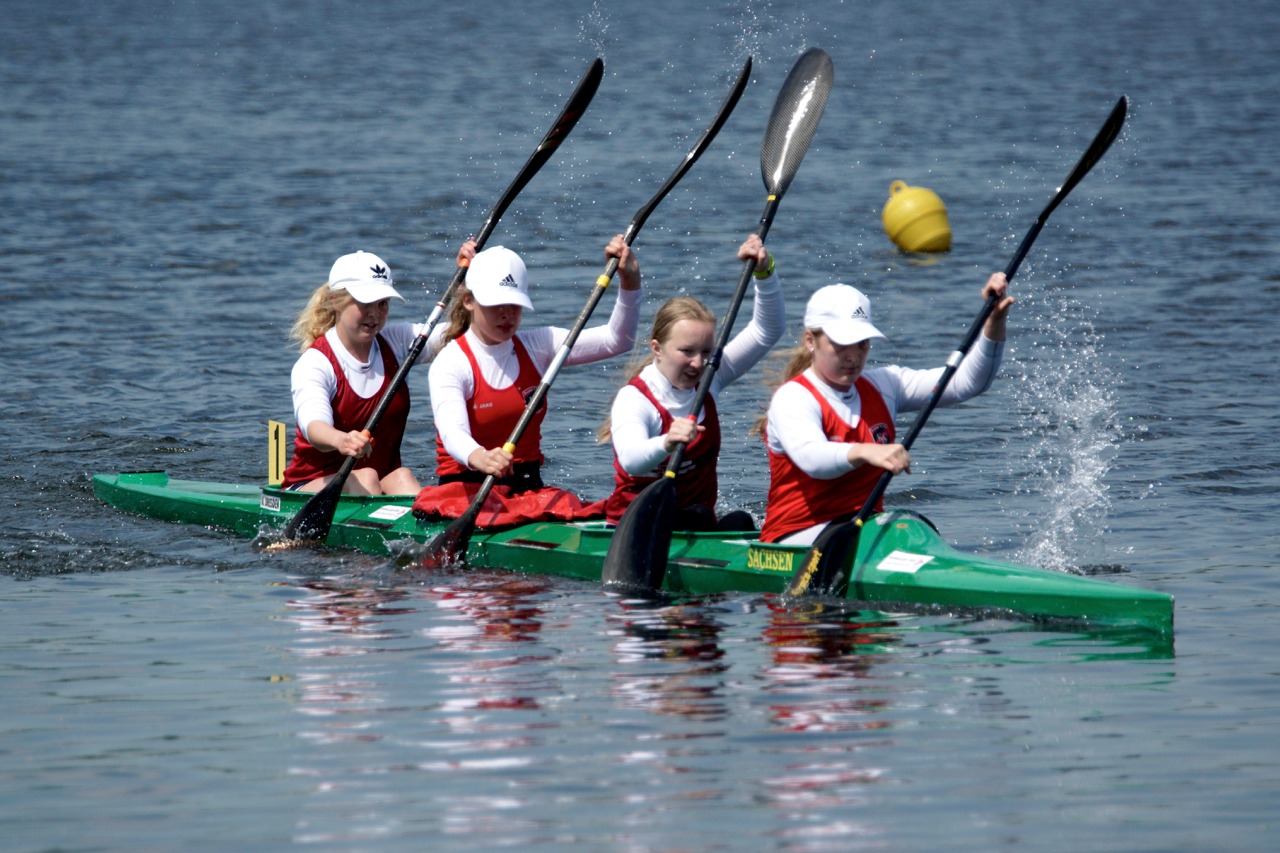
x: 637, y: 560
x: 828, y: 563
x: 313, y: 521
x: 450, y: 546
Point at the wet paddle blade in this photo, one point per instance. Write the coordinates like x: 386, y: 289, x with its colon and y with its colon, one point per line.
x: 826, y: 566
x: 568, y: 119
x: 1101, y: 142
x: 313, y: 521
x: 794, y: 119
x: 708, y: 136
x: 635, y: 568
x: 449, y: 547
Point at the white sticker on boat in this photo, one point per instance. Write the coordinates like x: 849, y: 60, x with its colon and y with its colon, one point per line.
x: 390, y: 512
x: 271, y: 502
x: 901, y: 561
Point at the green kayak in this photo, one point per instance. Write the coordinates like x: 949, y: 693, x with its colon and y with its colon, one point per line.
x: 901, y: 558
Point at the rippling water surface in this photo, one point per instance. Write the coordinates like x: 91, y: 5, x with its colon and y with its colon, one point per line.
x: 177, y: 176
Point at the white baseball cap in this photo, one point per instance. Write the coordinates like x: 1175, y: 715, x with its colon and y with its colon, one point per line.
x: 497, y: 277
x: 843, y: 314
x: 365, y: 276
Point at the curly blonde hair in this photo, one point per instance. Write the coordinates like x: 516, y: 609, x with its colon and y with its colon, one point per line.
x: 319, y: 316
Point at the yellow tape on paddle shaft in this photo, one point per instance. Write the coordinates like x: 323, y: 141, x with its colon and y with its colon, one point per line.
x: 275, y: 452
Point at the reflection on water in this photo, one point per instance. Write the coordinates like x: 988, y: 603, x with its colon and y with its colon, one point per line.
x: 482, y: 618
x: 451, y: 678
x: 822, y: 690
x: 469, y: 680
x: 336, y: 621
x: 820, y: 658
x: 495, y: 611
x: 669, y: 660
x: 1111, y: 645
x: 333, y: 607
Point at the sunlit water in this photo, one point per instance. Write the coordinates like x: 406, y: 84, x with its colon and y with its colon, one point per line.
x: 178, y: 176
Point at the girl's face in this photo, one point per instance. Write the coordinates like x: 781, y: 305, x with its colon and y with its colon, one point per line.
x: 494, y: 324
x: 684, y: 354
x: 359, y: 324
x: 838, y: 366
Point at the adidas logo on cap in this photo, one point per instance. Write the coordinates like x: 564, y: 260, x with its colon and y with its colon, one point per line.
x: 379, y: 271
x: 498, y: 277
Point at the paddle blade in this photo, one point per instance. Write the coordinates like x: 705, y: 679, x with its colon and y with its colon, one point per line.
x: 313, y: 521
x: 828, y: 563
x: 726, y: 108
x: 794, y: 119
x: 637, y: 558
x: 1101, y: 142
x: 449, y: 548
x: 573, y: 110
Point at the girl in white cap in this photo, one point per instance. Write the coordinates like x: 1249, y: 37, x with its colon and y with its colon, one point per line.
x: 490, y: 366
x: 829, y: 429
x: 651, y: 413
x: 349, y: 354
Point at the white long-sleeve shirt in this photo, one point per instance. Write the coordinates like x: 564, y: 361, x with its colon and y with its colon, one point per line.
x: 795, y: 417
x: 636, y: 425
x: 314, y: 383
x: 452, y: 383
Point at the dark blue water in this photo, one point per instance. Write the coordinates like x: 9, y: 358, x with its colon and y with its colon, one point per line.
x: 177, y: 176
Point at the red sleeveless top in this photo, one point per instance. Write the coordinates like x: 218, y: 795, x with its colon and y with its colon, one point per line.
x: 351, y: 411
x: 796, y: 500
x: 493, y: 413
x: 696, y: 483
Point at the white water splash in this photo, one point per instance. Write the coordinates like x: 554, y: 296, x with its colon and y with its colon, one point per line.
x: 1068, y: 408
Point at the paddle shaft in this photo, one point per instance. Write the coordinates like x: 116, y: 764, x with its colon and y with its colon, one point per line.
x: 316, y: 516
x: 722, y: 336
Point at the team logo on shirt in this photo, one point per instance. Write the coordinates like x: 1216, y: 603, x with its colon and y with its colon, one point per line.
x: 527, y: 394
x: 880, y: 432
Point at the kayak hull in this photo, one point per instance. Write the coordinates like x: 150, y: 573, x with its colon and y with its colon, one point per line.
x: 901, y: 559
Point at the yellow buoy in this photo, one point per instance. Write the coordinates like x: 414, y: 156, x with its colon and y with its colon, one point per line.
x: 916, y: 219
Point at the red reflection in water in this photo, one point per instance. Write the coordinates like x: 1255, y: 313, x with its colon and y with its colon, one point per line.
x: 822, y: 673
x: 488, y: 618
x: 821, y: 656
x: 504, y: 610
x: 670, y: 660
x: 346, y: 609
